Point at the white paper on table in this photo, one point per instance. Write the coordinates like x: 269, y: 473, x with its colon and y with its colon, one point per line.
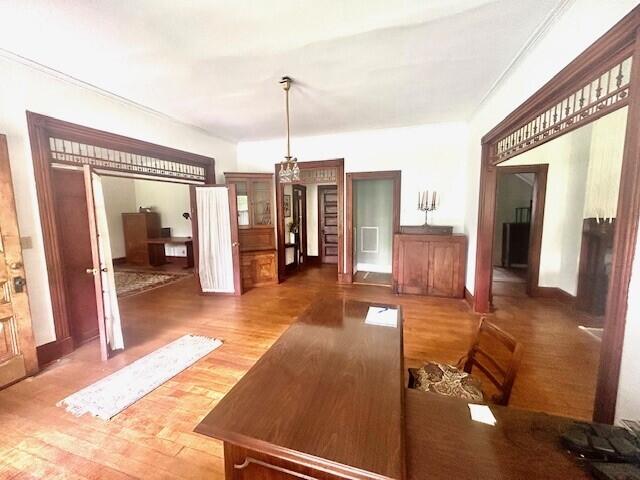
x: 482, y: 414
x: 382, y: 316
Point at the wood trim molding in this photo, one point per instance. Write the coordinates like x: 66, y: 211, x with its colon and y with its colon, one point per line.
x: 50, y: 352
x: 555, y: 293
x: 41, y: 127
x: 396, y: 176
x: 280, y: 228
x: 621, y: 40
x: 468, y: 297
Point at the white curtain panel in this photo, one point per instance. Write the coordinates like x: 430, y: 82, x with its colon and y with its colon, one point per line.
x: 214, y: 240
x: 109, y: 297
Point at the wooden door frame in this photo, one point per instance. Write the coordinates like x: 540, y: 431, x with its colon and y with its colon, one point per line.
x: 338, y: 164
x: 537, y: 219
x: 235, y: 238
x: 396, y: 177
x: 537, y: 121
x: 41, y: 127
x: 303, y: 227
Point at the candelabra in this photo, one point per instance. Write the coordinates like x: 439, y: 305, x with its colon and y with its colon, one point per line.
x: 426, y: 206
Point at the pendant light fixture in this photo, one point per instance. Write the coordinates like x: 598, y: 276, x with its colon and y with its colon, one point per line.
x: 289, y: 170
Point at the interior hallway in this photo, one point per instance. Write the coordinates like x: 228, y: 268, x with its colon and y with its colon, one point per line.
x: 154, y: 438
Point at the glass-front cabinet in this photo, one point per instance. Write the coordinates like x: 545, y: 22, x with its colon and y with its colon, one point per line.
x: 254, y: 196
x: 255, y: 201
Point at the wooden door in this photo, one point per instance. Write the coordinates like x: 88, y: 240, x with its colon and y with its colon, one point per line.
x: 75, y: 244
x: 109, y: 328
x: 328, y: 223
x: 235, y: 236
x: 17, y: 347
x: 445, y: 277
x: 300, y: 216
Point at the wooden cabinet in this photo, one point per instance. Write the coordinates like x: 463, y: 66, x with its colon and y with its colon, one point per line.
x: 138, y: 228
x: 255, y: 200
x: 429, y: 264
x: 258, y: 268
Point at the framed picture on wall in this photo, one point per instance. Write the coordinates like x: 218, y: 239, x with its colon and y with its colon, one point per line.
x: 287, y: 205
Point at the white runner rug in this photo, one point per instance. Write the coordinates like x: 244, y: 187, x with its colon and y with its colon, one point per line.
x: 109, y: 396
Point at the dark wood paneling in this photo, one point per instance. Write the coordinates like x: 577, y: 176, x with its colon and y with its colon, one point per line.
x: 429, y: 264
x: 395, y: 176
x: 257, y: 239
x: 306, y: 401
x: 258, y: 268
x: 138, y: 228
x: 50, y: 352
x: 73, y: 228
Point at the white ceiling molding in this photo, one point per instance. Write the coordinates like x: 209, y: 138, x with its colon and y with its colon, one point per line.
x: 544, y: 27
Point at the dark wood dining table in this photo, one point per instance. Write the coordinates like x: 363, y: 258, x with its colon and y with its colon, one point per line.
x: 328, y: 401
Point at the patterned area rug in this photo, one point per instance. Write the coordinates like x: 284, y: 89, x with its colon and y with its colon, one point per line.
x: 134, y: 282
x: 109, y: 396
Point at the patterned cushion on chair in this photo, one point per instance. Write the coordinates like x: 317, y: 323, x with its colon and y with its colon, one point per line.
x: 447, y: 380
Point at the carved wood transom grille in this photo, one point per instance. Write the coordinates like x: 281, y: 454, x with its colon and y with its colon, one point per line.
x: 318, y: 175
x: 75, y: 153
x: 602, y: 95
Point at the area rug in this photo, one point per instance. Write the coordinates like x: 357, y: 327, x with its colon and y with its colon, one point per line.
x: 130, y: 282
x: 109, y: 396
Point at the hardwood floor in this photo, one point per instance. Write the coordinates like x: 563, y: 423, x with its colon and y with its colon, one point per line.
x: 373, y: 278
x: 154, y: 438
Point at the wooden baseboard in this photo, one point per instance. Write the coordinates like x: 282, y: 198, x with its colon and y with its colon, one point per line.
x: 313, y: 260
x: 554, y: 292
x: 118, y: 261
x: 468, y: 296
x: 52, y: 351
x: 344, y: 278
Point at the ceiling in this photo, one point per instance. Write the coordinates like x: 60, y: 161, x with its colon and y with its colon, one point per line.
x: 356, y: 64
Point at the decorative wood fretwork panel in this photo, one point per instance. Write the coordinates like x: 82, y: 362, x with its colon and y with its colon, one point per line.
x: 76, y: 153
x: 318, y: 175
x: 596, y: 98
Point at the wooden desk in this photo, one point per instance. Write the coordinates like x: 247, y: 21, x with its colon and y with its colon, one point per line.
x: 325, y: 401
x: 444, y: 443
x: 157, y: 255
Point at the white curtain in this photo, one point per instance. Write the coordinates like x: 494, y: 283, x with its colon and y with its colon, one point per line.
x: 109, y: 297
x: 605, y: 165
x: 214, y: 239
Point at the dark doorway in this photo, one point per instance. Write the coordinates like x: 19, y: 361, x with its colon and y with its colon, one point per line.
x: 299, y: 193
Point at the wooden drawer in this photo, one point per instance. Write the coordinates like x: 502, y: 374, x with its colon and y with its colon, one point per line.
x: 243, y: 464
x: 258, y: 268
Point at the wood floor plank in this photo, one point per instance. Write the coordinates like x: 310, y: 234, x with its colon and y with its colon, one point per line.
x: 154, y: 438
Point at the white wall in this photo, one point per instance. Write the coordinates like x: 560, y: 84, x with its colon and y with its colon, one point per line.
x: 26, y: 88
x: 170, y: 200
x: 580, y: 25
x: 430, y: 157
x: 119, y: 197
x: 568, y: 159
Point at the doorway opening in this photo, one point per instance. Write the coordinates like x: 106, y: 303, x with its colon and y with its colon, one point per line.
x: 75, y: 167
x: 310, y: 219
x: 518, y: 229
x: 373, y: 218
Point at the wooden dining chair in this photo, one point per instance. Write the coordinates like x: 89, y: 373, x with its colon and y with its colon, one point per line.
x: 494, y: 352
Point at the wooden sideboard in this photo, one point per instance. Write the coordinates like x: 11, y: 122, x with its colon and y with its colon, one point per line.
x: 138, y: 228
x: 429, y: 264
